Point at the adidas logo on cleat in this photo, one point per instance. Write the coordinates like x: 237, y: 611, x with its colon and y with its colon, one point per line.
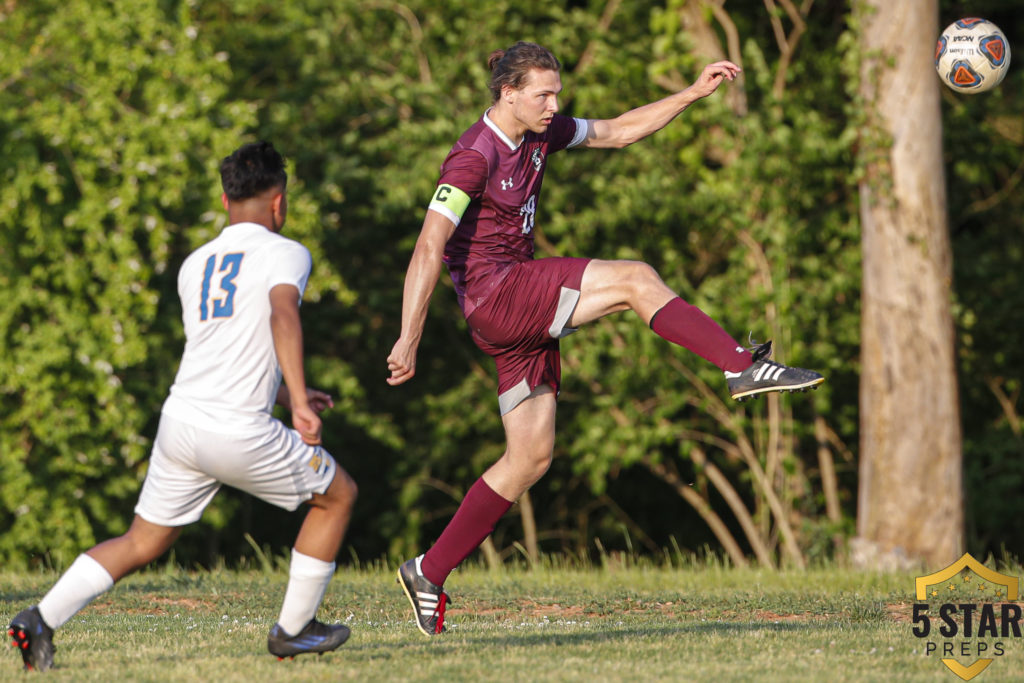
x: 765, y: 375
x: 428, y: 601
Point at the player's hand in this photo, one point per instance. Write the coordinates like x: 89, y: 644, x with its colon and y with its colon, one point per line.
x: 712, y: 76
x: 402, y: 362
x: 319, y: 401
x: 307, y: 423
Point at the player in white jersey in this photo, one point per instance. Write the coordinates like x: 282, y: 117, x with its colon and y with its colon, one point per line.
x: 240, y: 296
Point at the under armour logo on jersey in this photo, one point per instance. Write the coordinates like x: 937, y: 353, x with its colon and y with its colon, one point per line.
x: 507, y: 184
x: 537, y: 159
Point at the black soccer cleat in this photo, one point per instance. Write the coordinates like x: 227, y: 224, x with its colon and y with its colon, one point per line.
x: 33, y: 638
x: 765, y: 375
x: 314, y: 637
x: 428, y: 601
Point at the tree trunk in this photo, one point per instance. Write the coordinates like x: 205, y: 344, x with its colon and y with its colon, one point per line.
x: 910, y: 502
x: 529, y: 529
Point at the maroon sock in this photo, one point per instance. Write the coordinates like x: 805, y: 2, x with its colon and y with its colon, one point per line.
x: 473, y: 521
x: 688, y: 326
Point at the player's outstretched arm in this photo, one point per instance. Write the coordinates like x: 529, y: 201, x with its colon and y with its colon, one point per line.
x: 286, y: 328
x: 636, y: 124
x: 420, y: 279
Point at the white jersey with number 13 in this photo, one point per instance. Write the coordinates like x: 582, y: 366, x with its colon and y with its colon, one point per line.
x: 229, y: 375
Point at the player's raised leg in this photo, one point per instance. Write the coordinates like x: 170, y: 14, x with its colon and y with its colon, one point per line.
x: 611, y: 286
x: 530, y: 434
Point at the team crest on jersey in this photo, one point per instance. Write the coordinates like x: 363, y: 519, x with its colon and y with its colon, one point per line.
x: 537, y: 159
x: 528, y: 211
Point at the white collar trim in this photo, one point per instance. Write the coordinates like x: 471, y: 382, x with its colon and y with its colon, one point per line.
x: 501, y: 135
x: 248, y: 225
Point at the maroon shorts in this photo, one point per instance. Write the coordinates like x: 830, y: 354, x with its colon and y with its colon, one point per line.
x: 521, y: 321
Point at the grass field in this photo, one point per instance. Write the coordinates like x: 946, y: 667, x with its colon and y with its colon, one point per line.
x: 702, y: 623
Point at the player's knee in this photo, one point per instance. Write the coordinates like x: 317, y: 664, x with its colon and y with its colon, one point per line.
x: 637, y: 279
x: 545, y: 465
x: 343, y: 491
x: 351, y: 491
x: 644, y: 276
x: 539, y: 463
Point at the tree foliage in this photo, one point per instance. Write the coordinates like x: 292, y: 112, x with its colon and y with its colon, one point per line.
x: 113, y: 124
x: 110, y: 126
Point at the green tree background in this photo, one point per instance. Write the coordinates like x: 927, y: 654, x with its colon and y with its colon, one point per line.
x: 114, y: 116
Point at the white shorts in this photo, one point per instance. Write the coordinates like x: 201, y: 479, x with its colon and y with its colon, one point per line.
x: 188, y: 466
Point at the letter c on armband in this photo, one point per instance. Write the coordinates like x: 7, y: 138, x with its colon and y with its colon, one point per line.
x: 450, y: 202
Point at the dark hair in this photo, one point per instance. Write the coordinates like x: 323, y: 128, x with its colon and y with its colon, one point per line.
x: 251, y: 170
x: 510, y: 67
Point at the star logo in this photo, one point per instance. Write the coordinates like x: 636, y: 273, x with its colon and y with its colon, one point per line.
x: 976, y: 618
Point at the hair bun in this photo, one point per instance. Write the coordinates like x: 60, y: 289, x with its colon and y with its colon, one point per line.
x: 495, y: 57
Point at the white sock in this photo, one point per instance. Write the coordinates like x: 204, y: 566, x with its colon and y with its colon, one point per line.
x: 77, y: 587
x: 307, y: 582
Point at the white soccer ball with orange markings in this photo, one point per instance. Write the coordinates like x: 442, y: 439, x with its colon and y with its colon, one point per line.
x: 972, y: 55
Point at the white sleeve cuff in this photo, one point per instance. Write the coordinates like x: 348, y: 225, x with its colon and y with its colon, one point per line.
x: 582, y: 126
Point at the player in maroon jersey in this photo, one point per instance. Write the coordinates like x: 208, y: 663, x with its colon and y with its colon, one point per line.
x: 480, y: 223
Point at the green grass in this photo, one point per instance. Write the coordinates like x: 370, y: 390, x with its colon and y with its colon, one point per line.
x: 552, y: 624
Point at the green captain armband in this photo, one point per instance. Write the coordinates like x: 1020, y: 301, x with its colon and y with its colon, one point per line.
x: 450, y: 202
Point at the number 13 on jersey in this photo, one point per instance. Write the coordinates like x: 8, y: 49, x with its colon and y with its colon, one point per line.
x: 223, y: 306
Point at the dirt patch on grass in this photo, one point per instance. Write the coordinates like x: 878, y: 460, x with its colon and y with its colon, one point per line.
x: 153, y: 604
x: 553, y: 610
x: 774, y: 617
x: 899, y: 612
x: 558, y: 610
x: 186, y: 603
x: 760, y: 616
x: 903, y: 612
x: 531, y: 609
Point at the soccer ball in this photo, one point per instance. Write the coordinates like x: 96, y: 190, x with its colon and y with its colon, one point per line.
x: 972, y: 55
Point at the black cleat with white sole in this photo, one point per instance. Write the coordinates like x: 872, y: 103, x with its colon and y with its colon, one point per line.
x: 428, y: 600
x: 314, y: 637
x: 766, y: 375
x: 33, y: 638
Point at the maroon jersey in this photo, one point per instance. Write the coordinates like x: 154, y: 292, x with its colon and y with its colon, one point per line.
x: 503, y: 182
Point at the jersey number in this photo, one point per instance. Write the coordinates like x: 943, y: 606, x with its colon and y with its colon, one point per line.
x: 225, y: 306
